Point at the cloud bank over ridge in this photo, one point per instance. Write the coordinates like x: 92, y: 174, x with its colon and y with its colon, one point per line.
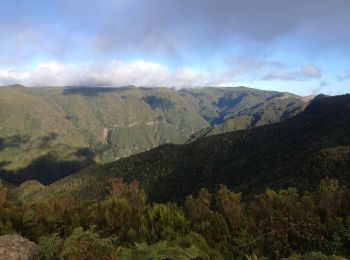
x: 192, y: 42
x: 113, y: 73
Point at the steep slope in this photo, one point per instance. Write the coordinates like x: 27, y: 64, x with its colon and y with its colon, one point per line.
x: 297, y: 152
x: 274, y: 109
x: 47, y: 133
x: 218, y: 104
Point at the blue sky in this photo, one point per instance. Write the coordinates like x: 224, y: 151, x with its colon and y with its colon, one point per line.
x: 300, y: 46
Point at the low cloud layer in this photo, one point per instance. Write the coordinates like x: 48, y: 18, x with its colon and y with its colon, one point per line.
x: 113, y: 73
x: 139, y: 73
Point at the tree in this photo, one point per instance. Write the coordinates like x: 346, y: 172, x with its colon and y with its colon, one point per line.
x: 199, y: 208
x: 131, y: 192
x: 230, y: 206
x: 3, y: 194
x: 333, y: 198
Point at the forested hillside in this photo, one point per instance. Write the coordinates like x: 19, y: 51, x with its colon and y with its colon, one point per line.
x: 216, y: 105
x: 48, y: 133
x: 273, y: 110
x: 298, y: 152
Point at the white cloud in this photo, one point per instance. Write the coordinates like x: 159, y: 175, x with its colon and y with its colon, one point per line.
x: 113, y: 73
x: 310, y: 71
x: 324, y: 84
x: 317, y: 90
x: 148, y: 73
x: 344, y: 76
x: 305, y: 72
x: 279, y: 75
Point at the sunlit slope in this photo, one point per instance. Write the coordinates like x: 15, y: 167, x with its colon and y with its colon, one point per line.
x: 273, y: 109
x: 218, y: 104
x: 297, y: 152
x: 86, y: 125
x: 48, y: 133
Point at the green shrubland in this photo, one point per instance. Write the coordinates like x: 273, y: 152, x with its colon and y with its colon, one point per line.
x: 219, y: 225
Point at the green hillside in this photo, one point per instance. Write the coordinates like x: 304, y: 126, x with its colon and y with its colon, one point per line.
x: 218, y: 104
x: 48, y: 133
x: 274, y: 109
x: 298, y: 152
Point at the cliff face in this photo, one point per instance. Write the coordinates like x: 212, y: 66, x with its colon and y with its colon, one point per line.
x: 14, y: 247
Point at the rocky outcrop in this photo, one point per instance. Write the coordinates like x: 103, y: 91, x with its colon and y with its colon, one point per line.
x: 106, y: 133
x: 14, y: 247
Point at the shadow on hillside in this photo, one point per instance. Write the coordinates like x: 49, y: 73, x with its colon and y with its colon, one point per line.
x: 226, y: 103
x: 3, y: 164
x: 156, y: 102
x: 229, y: 101
x: 92, y: 91
x: 13, y: 141
x: 45, y: 140
x: 47, y: 169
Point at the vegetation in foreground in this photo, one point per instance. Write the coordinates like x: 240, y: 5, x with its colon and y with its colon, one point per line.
x: 273, y: 225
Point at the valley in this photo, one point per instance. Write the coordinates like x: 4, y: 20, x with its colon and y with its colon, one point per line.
x: 49, y: 133
x: 298, y: 152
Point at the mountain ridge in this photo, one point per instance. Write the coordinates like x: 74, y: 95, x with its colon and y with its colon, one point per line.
x: 297, y: 152
x: 50, y: 132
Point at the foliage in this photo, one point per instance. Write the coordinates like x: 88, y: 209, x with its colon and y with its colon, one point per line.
x: 3, y: 194
x: 314, y: 256
x: 81, y: 244
x: 219, y: 225
x: 160, y: 250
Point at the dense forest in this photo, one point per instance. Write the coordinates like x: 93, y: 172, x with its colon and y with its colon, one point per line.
x: 272, y: 225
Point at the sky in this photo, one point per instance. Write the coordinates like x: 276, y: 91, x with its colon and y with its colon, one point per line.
x: 299, y: 46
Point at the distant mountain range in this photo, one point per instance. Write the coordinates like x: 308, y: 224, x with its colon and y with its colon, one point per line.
x: 297, y: 152
x: 49, y: 133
